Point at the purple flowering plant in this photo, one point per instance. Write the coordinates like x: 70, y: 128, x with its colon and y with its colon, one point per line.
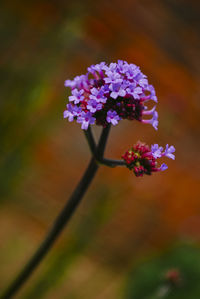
x: 104, y: 96
x: 111, y: 93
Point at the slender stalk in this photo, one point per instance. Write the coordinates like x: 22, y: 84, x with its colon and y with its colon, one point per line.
x: 60, y: 222
x: 111, y: 162
x: 55, y: 231
x: 102, y: 142
x: 90, y: 140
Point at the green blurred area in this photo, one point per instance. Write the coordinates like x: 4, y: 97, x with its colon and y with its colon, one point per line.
x: 122, y: 220
x: 174, y: 274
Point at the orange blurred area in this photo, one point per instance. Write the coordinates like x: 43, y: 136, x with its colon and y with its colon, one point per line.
x: 122, y: 219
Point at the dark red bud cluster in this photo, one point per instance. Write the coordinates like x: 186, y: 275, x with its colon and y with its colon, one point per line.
x: 126, y: 108
x: 140, y: 160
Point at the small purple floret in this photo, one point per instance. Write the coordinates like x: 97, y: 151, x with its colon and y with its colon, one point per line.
x: 85, y: 119
x: 112, y: 117
x: 98, y: 95
x: 153, y: 121
x: 117, y: 90
x: 168, y: 152
x: 163, y: 167
x: 77, y: 96
x: 93, y: 106
x: 71, y: 112
x: 137, y: 92
x: 152, y: 96
x: 156, y: 151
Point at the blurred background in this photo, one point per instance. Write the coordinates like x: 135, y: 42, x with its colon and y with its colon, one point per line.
x: 131, y: 237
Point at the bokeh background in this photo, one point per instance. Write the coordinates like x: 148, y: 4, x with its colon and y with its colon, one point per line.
x: 128, y: 233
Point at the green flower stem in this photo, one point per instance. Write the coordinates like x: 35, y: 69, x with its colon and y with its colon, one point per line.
x: 61, y: 220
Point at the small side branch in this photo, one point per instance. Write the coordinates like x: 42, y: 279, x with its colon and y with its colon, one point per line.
x: 98, y: 154
x: 111, y: 162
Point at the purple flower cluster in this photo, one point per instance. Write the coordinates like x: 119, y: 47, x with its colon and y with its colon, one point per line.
x: 108, y: 93
x: 141, y: 159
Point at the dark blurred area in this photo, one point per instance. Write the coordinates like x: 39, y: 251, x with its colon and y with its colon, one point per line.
x: 123, y: 221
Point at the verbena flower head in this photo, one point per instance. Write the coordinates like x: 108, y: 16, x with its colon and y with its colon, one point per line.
x: 108, y: 93
x: 142, y: 159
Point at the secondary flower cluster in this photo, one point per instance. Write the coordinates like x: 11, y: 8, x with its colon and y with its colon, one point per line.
x: 108, y: 93
x: 141, y: 159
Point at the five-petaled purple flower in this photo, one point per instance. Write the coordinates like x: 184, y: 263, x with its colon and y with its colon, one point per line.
x: 86, y: 119
x: 112, y: 117
x: 77, y: 96
x: 98, y: 95
x: 71, y: 112
x: 93, y: 106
